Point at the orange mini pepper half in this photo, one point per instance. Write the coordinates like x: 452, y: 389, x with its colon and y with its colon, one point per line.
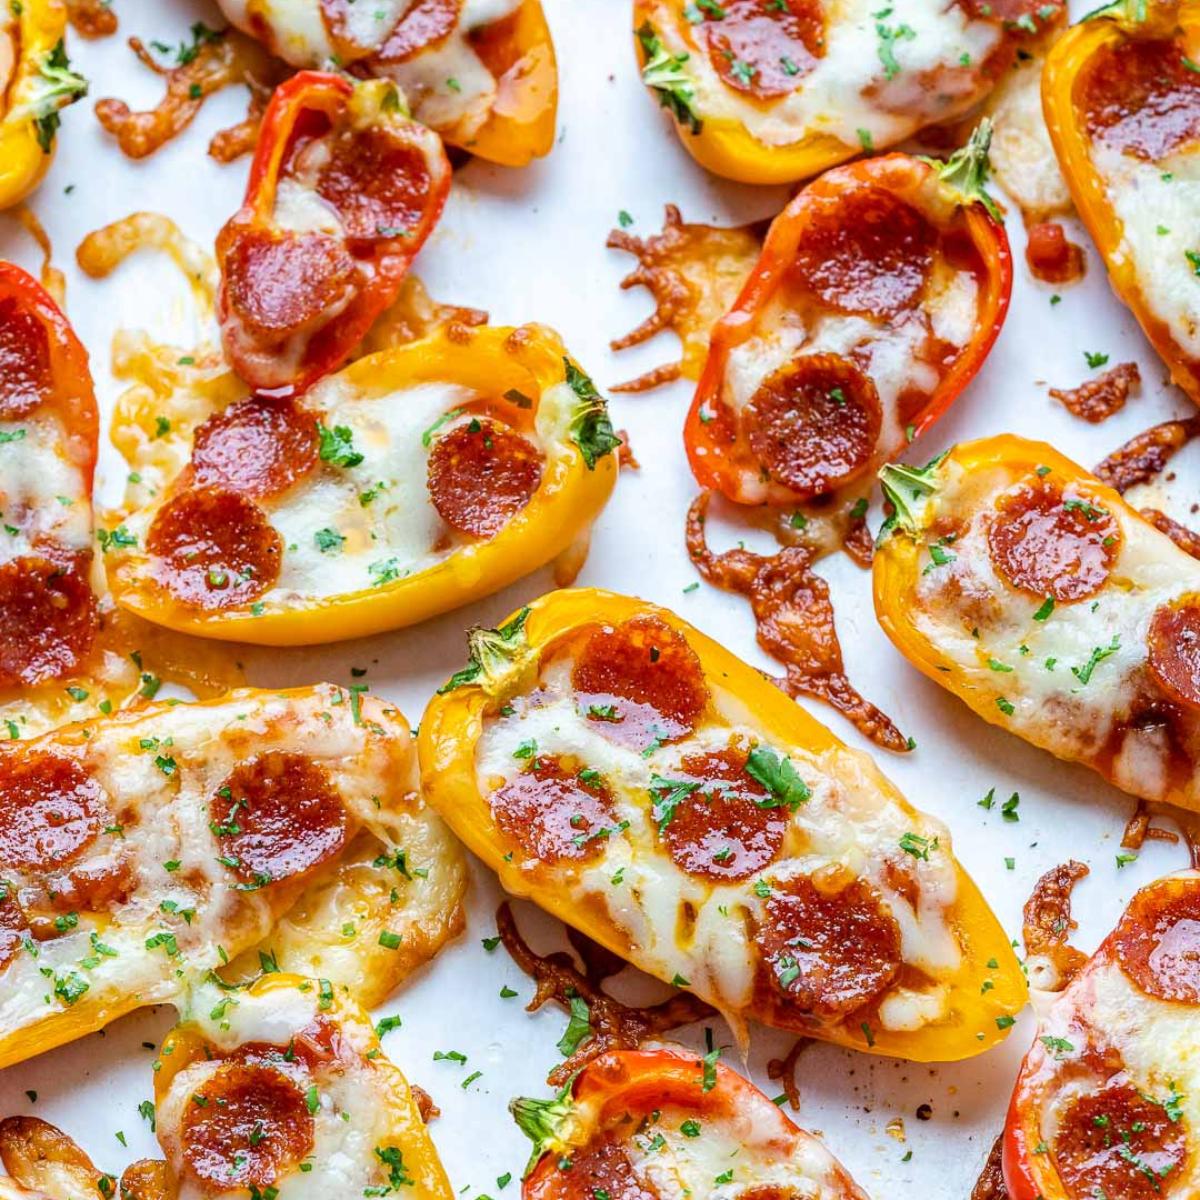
x: 1103, y: 1106
x: 38, y: 86
x: 411, y: 482
x: 774, y: 91
x: 633, y: 1120
x: 639, y: 782
x: 878, y: 295
x: 1035, y: 594
x: 1122, y: 103
x: 343, y: 191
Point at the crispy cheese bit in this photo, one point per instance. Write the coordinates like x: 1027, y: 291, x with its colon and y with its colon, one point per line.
x: 1050, y: 542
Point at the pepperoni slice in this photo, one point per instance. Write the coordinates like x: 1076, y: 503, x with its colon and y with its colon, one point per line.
x: 764, y: 48
x: 814, y: 423
x: 425, y: 23
x: 277, y: 816
x: 1139, y: 97
x: 1174, y: 650
x: 1158, y: 940
x: 481, y: 474
x: 553, y: 813
x: 600, y: 1169
x: 51, y: 811
x: 1117, y: 1142
x: 48, y: 619
x: 640, y: 682
x: 827, y: 953
x: 283, y: 283
x: 213, y: 548
x: 865, y: 251
x: 258, y: 447
x: 25, y: 379
x: 1050, y: 543
x: 1009, y: 12
x: 245, y: 1127
x: 725, y: 828
x: 378, y: 183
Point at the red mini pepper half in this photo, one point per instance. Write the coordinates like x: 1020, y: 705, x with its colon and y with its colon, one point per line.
x: 344, y: 189
x: 879, y: 292
x: 667, y: 1123
x: 49, y: 437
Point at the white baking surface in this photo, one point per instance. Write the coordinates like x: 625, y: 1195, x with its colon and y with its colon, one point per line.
x: 528, y: 245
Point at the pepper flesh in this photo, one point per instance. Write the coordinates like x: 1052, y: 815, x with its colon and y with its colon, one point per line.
x: 951, y: 198
x: 591, y: 1113
x: 956, y: 497
x: 491, y: 361
x: 505, y: 664
x: 42, y: 83
x: 294, y: 300
x: 1118, y: 25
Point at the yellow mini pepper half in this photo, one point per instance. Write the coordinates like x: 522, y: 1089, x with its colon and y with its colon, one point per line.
x: 626, y: 895
x: 522, y: 376
x: 40, y: 85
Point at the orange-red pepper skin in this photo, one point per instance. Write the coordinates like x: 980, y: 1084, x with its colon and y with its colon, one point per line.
x: 1063, y: 78
x: 718, y: 452
x: 72, y: 397
x: 267, y: 269
x: 596, y: 1107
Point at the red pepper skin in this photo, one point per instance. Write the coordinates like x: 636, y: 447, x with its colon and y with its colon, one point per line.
x: 717, y: 452
x: 595, y: 1107
x: 297, y: 113
x: 72, y: 396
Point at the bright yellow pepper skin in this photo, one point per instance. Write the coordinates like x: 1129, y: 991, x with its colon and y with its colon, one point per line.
x: 505, y: 665
x: 492, y: 361
x: 42, y: 84
x: 388, y: 1096
x: 1062, y: 93
x: 1081, y: 674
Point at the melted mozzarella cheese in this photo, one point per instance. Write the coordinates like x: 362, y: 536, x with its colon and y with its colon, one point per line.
x: 43, y: 496
x: 1052, y: 707
x: 1157, y: 205
x: 848, y: 820
x: 847, y: 93
x: 162, y: 768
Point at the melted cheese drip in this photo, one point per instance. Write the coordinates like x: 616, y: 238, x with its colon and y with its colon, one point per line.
x: 1157, y: 204
x: 1052, y: 707
x: 172, y: 815
x: 350, y: 1122
x: 847, y: 820
x: 847, y: 94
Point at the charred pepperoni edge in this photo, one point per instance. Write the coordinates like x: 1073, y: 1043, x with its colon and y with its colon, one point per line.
x: 72, y: 398
x: 307, y: 97
x: 277, y: 816
x: 552, y: 813
x: 481, y: 474
x: 237, y: 538
x: 647, y: 672
x: 1154, y: 914
x: 257, y: 446
x: 719, y: 455
x: 1129, y: 96
x: 1060, y: 512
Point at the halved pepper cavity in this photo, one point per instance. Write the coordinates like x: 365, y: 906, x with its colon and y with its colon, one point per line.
x: 343, y: 191
x: 879, y: 292
x: 642, y: 784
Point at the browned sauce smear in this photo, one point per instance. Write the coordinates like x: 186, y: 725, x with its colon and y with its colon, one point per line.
x: 1048, y: 924
x: 615, y: 1026
x: 92, y: 18
x: 990, y: 1184
x: 794, y: 613
x: 1138, y: 830
x: 1096, y: 400
x: 694, y: 272
x: 218, y: 60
